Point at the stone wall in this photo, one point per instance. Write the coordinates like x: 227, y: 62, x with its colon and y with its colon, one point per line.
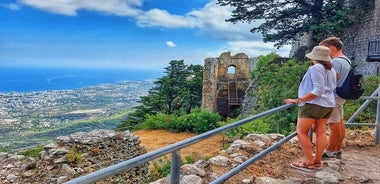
x: 356, y: 44
x: 75, y: 155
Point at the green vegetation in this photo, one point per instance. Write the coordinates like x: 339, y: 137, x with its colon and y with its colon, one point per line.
x: 198, y: 121
x: 74, y: 156
x: 175, y: 94
x: 368, y: 115
x: 33, y: 152
x: 276, y: 82
x: 161, y: 167
x: 258, y: 126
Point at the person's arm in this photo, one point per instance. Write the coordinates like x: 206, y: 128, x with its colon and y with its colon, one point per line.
x: 307, y: 97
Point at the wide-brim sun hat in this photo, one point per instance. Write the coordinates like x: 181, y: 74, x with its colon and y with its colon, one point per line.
x: 320, y: 53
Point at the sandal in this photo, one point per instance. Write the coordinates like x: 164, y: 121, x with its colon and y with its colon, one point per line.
x: 317, y: 165
x: 302, y: 166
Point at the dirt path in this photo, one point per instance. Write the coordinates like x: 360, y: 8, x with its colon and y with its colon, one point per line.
x: 361, y: 165
x: 360, y: 162
x: 154, y: 139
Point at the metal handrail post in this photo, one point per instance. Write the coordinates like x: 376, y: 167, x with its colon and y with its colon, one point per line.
x: 378, y: 116
x: 175, y: 167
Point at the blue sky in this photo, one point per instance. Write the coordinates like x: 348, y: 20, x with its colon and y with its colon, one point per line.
x: 144, y: 34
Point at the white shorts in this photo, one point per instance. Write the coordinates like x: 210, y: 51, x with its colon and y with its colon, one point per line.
x: 337, y: 113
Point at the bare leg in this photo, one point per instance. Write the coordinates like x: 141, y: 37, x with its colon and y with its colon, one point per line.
x: 342, y: 133
x: 334, y: 136
x: 321, y: 139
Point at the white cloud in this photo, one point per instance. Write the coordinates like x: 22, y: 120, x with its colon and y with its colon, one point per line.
x: 11, y: 6
x: 161, y: 18
x: 256, y: 48
x: 171, y: 44
x: 209, y: 20
x: 251, y: 48
x: 70, y: 7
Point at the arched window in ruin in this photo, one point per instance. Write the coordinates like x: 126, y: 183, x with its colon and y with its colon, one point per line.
x: 231, y: 69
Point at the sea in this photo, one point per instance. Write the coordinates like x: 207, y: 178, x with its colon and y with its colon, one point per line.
x: 32, y: 79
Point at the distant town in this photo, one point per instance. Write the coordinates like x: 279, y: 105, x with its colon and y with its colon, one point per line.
x: 27, y: 114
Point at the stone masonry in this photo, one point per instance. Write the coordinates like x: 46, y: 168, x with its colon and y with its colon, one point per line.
x: 76, y: 155
x: 356, y: 46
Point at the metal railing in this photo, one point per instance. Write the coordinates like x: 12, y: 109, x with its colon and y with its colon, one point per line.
x: 175, y: 148
x: 374, y: 96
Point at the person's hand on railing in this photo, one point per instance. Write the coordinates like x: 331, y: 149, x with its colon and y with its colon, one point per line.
x: 290, y: 100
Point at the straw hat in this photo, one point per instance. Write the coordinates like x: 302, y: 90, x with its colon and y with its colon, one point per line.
x: 320, y: 53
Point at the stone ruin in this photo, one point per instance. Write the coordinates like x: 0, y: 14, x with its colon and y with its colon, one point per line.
x: 76, y: 155
x: 225, y: 80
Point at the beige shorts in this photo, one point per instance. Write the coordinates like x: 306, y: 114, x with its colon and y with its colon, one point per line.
x: 337, y: 114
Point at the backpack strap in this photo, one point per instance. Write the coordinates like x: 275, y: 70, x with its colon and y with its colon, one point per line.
x: 348, y: 61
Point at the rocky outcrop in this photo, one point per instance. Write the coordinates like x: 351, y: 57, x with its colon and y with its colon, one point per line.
x: 75, y: 155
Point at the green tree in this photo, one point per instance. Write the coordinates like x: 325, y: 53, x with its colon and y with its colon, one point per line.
x: 286, y: 21
x: 192, y: 95
x: 179, y: 91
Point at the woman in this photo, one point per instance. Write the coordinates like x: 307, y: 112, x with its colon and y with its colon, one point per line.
x: 316, y: 102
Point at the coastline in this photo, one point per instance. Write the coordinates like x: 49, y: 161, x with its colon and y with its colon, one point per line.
x: 33, y: 118
x: 22, y: 79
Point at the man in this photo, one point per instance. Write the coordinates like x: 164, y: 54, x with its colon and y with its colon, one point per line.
x: 336, y: 121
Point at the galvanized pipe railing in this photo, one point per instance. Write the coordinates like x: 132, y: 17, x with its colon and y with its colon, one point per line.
x: 173, y: 148
x: 374, y: 96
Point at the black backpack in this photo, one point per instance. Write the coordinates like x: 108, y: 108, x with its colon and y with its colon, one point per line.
x: 352, y: 86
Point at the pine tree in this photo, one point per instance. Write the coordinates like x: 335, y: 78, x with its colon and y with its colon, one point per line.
x: 178, y: 92
x: 285, y: 21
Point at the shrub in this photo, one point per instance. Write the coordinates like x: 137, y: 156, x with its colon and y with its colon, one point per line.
x: 198, y: 121
x: 159, y: 169
x: 157, y: 121
x: 33, y: 152
x: 73, y: 156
